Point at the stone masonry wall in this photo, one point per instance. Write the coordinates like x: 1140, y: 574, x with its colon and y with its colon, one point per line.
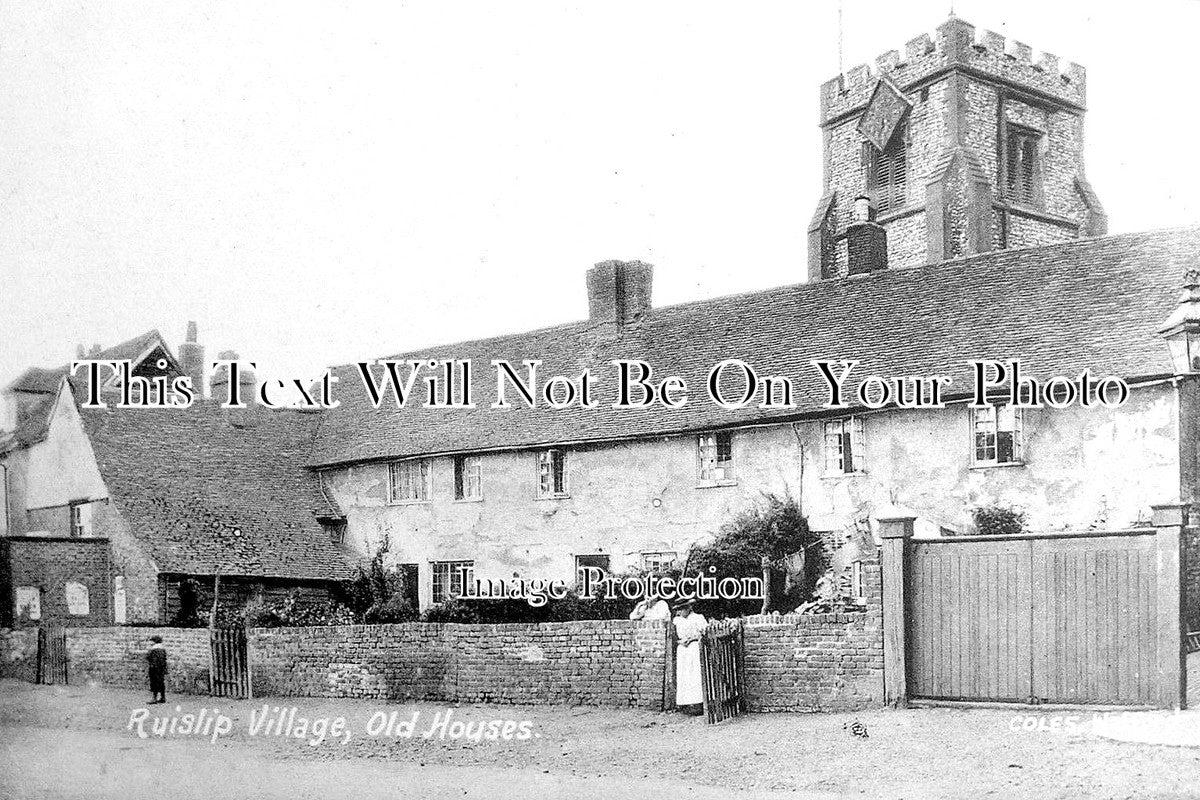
x: 117, y: 657
x: 602, y: 663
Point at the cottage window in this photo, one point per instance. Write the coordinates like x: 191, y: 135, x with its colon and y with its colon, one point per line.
x: 997, y: 432
x: 844, y: 446
x: 450, y: 579
x: 408, y: 481
x: 600, y: 561
x: 887, y: 171
x: 81, y: 519
x: 858, y: 583
x: 1021, y: 165
x: 468, y: 478
x: 716, y: 457
x: 28, y: 603
x: 77, y: 599
x: 337, y: 532
x: 657, y: 561
x: 552, y: 473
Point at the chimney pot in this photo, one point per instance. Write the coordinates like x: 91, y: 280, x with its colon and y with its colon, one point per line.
x: 191, y: 359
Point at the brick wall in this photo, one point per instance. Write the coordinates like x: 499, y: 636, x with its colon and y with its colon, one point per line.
x: 815, y: 662
x: 117, y: 656
x: 604, y: 663
x: 18, y: 653
x: 1191, y: 578
x: 50, y: 563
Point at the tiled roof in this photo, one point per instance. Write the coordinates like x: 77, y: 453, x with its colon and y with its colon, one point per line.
x: 1090, y: 303
x: 205, y: 495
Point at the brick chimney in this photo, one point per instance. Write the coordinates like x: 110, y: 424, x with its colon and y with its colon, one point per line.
x: 619, y: 292
x: 246, y: 379
x: 866, y: 241
x: 191, y: 359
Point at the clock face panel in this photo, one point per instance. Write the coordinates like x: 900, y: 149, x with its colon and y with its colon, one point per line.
x: 883, y: 114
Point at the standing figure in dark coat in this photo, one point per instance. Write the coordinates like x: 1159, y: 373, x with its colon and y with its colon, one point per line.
x: 156, y: 656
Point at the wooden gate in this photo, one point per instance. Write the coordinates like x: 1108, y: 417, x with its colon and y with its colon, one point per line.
x: 1047, y: 619
x: 229, y: 667
x: 723, y: 670
x: 52, y: 660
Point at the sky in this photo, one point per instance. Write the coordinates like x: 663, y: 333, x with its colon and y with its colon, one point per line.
x: 321, y: 183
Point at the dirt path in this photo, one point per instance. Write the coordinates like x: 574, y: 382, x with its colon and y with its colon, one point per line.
x: 76, y: 742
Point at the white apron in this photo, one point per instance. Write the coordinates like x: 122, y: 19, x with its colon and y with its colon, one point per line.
x: 688, y: 688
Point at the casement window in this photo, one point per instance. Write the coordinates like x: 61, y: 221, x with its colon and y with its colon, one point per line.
x: 468, y: 478
x: 450, y: 579
x: 1021, y: 166
x: 716, y: 457
x: 408, y: 481
x: 656, y: 561
x: 600, y: 561
x: 844, y: 446
x: 552, y: 473
x: 337, y: 532
x: 887, y: 172
x: 997, y: 431
x: 76, y: 595
x: 81, y: 519
x: 119, y: 600
x: 28, y: 603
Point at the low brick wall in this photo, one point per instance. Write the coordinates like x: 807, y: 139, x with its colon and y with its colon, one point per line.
x: 602, y: 663
x: 817, y: 662
x: 117, y: 656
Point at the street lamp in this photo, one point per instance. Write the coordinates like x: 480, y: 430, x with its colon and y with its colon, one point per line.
x: 1182, y: 328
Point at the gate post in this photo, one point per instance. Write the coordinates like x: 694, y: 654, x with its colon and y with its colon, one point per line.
x: 895, y: 532
x: 1169, y: 520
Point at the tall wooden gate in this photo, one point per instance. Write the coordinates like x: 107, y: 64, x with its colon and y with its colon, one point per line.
x: 229, y: 667
x: 723, y: 670
x: 52, y: 661
x: 1059, y: 619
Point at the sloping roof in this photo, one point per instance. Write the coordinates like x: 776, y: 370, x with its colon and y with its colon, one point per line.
x: 35, y: 389
x: 1090, y: 303
x: 205, y: 495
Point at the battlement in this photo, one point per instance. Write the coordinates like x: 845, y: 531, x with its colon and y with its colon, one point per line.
x: 955, y: 45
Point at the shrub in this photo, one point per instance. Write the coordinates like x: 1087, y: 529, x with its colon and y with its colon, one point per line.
x: 394, y: 609
x: 773, y: 528
x: 998, y: 520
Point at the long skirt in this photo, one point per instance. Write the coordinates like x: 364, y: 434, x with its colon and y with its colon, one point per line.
x: 688, y: 689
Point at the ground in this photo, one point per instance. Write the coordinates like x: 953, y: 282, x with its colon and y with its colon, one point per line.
x: 75, y: 741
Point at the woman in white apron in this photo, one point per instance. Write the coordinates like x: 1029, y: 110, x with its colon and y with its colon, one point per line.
x: 689, y: 627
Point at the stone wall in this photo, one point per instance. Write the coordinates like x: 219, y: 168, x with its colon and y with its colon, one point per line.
x: 816, y: 662
x: 603, y: 662
x: 117, y: 657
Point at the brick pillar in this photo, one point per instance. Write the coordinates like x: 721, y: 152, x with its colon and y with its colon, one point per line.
x: 895, y: 532
x: 1169, y: 520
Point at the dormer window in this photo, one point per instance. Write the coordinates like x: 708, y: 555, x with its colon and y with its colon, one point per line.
x: 887, y: 171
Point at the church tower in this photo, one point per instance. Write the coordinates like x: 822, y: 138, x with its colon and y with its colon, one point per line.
x: 955, y: 148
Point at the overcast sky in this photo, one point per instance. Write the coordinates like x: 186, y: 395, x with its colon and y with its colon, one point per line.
x: 316, y: 184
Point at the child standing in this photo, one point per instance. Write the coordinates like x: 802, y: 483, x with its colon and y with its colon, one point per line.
x: 156, y: 656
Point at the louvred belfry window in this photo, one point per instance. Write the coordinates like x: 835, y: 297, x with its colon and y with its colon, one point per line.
x: 1021, y: 165
x: 887, y: 172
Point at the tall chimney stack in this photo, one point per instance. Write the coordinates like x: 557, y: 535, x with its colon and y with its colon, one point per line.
x: 191, y: 358
x: 866, y: 241
x: 619, y: 292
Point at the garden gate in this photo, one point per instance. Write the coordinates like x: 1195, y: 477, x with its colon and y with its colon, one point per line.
x: 1073, y: 618
x: 723, y: 670
x: 229, y: 667
x: 52, y: 660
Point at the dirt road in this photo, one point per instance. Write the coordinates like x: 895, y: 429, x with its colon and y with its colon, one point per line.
x: 78, y: 742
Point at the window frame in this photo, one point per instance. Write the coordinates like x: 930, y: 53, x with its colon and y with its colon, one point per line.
x: 463, y: 569
x: 1022, y: 187
x: 652, y: 561
x: 714, y: 451
x: 425, y: 466
x: 552, y: 484
x: 844, y: 429
x: 990, y: 416
x: 607, y: 566
x: 858, y: 582
x: 468, y: 471
x: 891, y: 195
